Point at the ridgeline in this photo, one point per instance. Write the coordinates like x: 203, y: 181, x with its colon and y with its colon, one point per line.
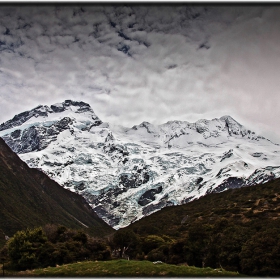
x: 29, y: 198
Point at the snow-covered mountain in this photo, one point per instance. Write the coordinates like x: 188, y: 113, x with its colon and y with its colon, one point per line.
x: 128, y: 173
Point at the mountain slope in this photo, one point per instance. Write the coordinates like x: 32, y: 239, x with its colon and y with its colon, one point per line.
x: 29, y: 198
x: 237, y: 230
x: 259, y: 204
x: 128, y: 173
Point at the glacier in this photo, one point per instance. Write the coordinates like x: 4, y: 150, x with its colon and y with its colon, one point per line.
x: 128, y: 173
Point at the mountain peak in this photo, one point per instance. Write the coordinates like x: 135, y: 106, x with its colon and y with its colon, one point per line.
x: 126, y: 174
x: 60, y: 107
x: 34, y: 130
x: 146, y: 125
x: 226, y: 117
x: 233, y: 126
x: 44, y: 111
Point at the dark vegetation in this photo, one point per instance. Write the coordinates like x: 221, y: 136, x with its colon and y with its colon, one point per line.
x: 50, y: 246
x: 237, y: 230
x: 29, y: 198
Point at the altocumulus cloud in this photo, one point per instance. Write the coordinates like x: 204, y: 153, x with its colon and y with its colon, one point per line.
x: 136, y: 63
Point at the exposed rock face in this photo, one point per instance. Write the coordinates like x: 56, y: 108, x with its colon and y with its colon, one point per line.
x: 39, y: 135
x: 127, y: 173
x: 229, y: 183
x: 36, y: 138
x: 149, y: 196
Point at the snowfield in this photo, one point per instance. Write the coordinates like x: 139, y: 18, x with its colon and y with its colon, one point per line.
x: 128, y: 173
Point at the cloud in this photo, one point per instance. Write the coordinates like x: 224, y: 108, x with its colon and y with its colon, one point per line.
x: 247, y: 65
x: 143, y: 62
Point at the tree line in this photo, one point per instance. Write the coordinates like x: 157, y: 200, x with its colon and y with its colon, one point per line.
x: 249, y: 249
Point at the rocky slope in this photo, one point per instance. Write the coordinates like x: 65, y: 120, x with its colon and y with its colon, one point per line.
x: 127, y: 173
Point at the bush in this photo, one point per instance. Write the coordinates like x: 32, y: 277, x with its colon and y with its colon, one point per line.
x: 260, y: 255
x: 98, y: 250
x: 127, y: 241
x: 151, y: 242
x: 34, y: 248
x: 24, y: 248
x: 156, y: 255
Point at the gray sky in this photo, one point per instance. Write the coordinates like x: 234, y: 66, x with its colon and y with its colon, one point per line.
x: 135, y: 63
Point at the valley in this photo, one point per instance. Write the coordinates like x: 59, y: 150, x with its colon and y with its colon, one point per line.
x: 47, y: 225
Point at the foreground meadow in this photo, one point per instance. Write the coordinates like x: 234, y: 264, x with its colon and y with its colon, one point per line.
x: 124, y: 268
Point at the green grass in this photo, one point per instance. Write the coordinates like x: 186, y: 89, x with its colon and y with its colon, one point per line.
x: 124, y: 268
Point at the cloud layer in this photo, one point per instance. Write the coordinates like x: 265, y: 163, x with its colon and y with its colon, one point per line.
x: 135, y: 63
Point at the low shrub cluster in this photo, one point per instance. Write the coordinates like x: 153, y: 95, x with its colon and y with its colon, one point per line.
x: 52, y: 245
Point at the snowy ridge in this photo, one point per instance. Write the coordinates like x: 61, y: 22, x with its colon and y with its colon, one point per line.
x: 128, y: 173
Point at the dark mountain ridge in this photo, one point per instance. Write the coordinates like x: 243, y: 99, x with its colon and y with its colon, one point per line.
x: 29, y: 198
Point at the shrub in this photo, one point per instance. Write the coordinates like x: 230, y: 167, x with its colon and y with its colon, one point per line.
x: 156, y: 255
x: 151, y: 242
x: 127, y: 241
x: 31, y: 248
x: 260, y: 255
x: 24, y: 248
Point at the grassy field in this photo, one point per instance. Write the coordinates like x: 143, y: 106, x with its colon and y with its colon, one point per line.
x: 124, y: 268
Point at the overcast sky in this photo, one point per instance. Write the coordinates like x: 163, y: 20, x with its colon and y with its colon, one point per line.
x: 135, y: 63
